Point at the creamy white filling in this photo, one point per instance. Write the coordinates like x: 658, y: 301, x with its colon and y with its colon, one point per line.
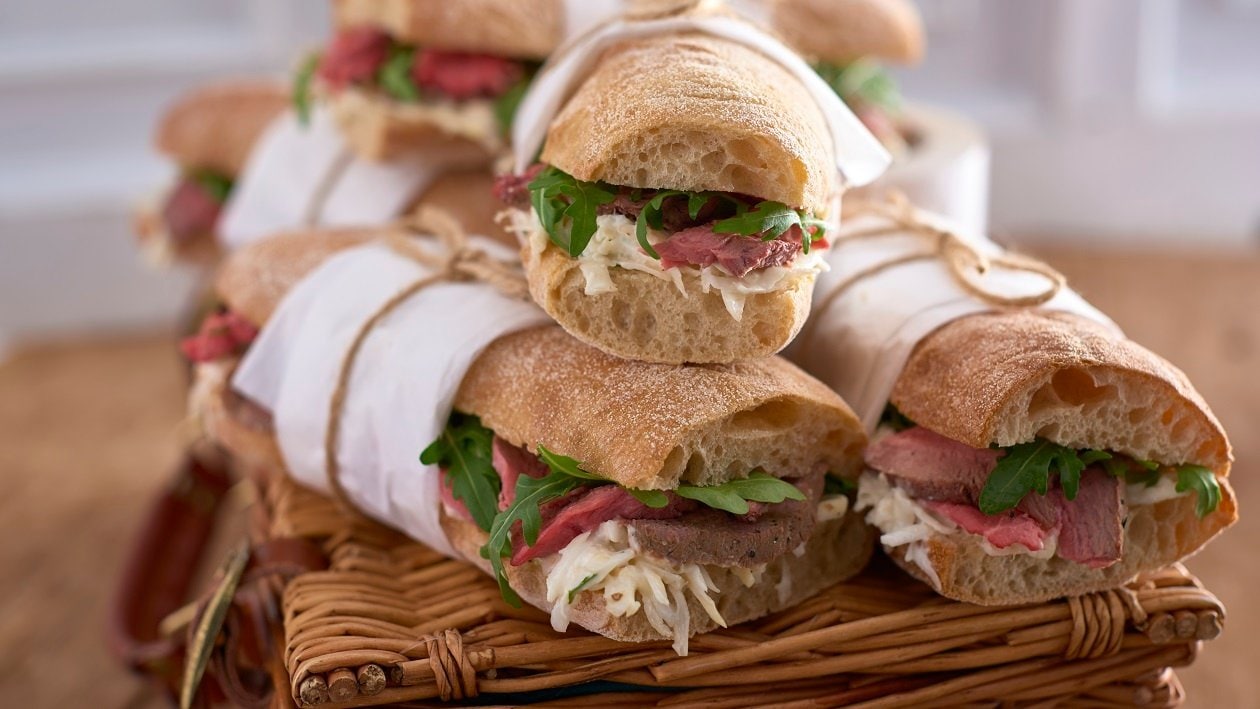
x: 473, y: 118
x: 902, y: 521
x: 832, y: 507
x: 608, y: 560
x: 1165, y: 489
x: 616, y: 245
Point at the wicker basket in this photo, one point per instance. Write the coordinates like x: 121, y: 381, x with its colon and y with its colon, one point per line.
x: 391, y: 621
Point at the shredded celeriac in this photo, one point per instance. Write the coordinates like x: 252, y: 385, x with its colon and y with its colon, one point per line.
x: 608, y: 560
x: 904, y: 522
x: 615, y: 244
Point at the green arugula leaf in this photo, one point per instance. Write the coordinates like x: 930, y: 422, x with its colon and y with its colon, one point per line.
x: 531, y: 493
x: 696, y: 202
x: 833, y: 485
x: 733, y: 495
x: 1090, y: 457
x: 650, y: 216
x: 861, y: 81
x: 1026, y: 468
x: 1070, y: 468
x: 578, y: 588
x: 218, y: 185
x: 394, y: 76
x: 506, y: 104
x: 1118, y: 468
x: 1141, y: 476
x: 1205, y: 486
x: 715, y: 496
x: 464, y: 451
x: 1133, y: 472
x: 771, y: 220
x: 302, y: 81
x: 656, y: 499
x: 563, y: 201
x: 564, y: 464
x: 761, y: 487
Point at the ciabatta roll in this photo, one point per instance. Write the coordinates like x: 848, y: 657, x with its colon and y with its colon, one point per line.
x: 208, y: 133
x: 848, y: 41
x: 1033, y: 455
x: 842, y: 31
x: 676, y: 213
x: 401, y: 73
x: 640, y: 427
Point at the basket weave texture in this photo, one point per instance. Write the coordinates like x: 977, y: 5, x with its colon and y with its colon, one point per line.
x: 393, y: 621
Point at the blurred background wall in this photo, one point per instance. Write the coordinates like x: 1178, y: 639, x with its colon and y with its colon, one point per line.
x: 1126, y: 122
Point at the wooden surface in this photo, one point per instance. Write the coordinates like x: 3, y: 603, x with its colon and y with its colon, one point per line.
x: 88, y: 432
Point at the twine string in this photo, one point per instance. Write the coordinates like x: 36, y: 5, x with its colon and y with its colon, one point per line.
x: 454, y: 261
x: 965, y: 263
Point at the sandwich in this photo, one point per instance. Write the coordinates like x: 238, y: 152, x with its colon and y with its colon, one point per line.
x: 848, y: 41
x: 248, y: 290
x: 1028, y: 455
x: 654, y: 502
x: 648, y: 502
x: 678, y: 211
x: 401, y: 72
x: 209, y: 134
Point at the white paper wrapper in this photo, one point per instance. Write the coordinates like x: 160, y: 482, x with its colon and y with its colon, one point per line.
x: 405, y: 377
x: 946, y: 172
x: 306, y: 176
x: 859, y: 344
x: 859, y: 157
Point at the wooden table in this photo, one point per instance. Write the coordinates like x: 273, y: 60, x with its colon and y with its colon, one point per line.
x: 89, y: 430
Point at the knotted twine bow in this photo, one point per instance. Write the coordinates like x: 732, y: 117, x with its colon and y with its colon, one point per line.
x: 453, y: 261
x: 964, y: 262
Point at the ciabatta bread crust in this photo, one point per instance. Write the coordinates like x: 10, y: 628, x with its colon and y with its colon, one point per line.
x: 840, y: 31
x: 838, y: 550
x: 468, y: 196
x: 1154, y: 537
x: 648, y: 319
x: 215, y: 127
x: 520, y: 29
x: 1008, y: 377
x: 691, y: 112
x: 253, y: 280
x: 652, y: 426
